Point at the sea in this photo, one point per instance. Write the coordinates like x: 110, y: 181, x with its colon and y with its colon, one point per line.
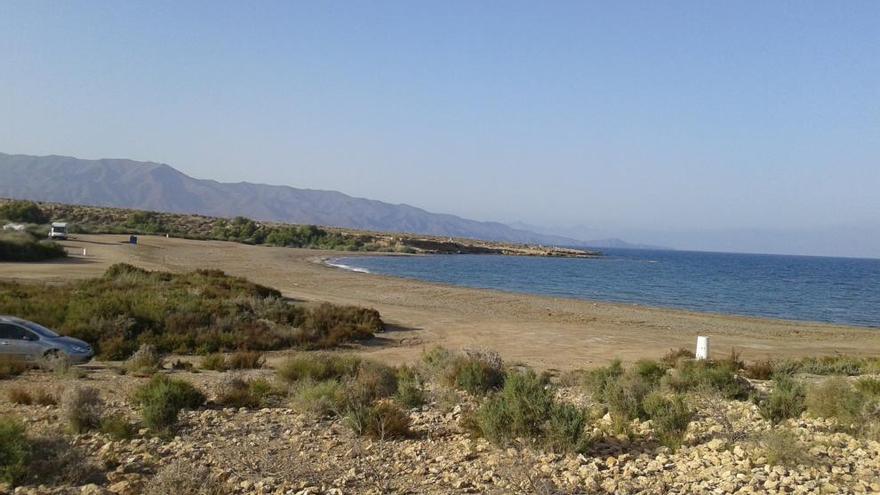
x: 809, y: 288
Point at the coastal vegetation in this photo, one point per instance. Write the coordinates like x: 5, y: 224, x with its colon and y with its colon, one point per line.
x: 108, y: 220
x: 25, y: 246
x: 204, y: 311
x: 652, y: 416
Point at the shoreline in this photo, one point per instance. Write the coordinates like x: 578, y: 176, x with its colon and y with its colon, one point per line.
x: 328, y: 263
x: 545, y: 332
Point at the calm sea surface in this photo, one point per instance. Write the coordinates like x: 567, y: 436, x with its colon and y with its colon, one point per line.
x: 835, y: 290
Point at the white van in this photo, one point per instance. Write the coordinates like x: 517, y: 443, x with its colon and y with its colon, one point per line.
x: 58, y: 231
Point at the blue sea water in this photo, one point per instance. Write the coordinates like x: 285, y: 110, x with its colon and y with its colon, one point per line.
x: 833, y: 290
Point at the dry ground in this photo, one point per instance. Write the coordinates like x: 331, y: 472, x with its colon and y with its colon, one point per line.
x: 548, y: 333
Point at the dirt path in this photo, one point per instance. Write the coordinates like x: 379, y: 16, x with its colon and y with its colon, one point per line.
x: 541, y: 331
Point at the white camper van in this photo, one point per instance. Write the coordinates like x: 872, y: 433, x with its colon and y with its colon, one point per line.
x: 58, y: 231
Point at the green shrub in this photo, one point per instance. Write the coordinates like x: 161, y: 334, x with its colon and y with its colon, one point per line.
x: 410, y: 388
x: 22, y: 246
x: 519, y: 409
x: 476, y: 376
x: 565, y: 429
x: 869, y: 387
x: 670, y: 417
x: 117, y: 427
x: 671, y: 358
x: 719, y: 377
x: 782, y: 448
x: 598, y: 380
x: 81, y: 407
x: 786, y: 400
x: 625, y: 399
x: 318, y: 367
x: 836, y: 398
x: 238, y: 392
x: 145, y: 361
x: 202, y: 312
x: 384, y: 420
x: 245, y: 360
x: 759, y: 370
x: 650, y: 371
x: 319, y: 399
x: 373, y: 381
x: 214, y: 362
x: 829, y: 365
x: 525, y: 408
x: 15, y: 451
x: 162, y: 399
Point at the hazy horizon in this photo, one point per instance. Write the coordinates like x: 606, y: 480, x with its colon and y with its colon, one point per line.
x: 747, y: 127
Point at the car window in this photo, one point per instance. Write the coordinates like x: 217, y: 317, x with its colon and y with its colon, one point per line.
x: 40, y: 329
x: 14, y: 332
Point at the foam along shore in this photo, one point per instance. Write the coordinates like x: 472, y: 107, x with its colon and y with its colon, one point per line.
x: 545, y: 332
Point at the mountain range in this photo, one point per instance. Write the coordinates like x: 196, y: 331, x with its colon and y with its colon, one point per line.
x: 159, y: 187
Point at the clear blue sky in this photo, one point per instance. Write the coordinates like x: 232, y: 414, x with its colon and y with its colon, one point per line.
x: 659, y: 121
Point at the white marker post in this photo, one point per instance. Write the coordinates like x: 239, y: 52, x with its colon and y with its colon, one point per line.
x: 702, y: 348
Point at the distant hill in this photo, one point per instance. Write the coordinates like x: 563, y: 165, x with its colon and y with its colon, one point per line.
x: 159, y: 187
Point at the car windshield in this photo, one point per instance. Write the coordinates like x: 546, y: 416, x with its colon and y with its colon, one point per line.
x: 40, y: 329
x: 59, y: 230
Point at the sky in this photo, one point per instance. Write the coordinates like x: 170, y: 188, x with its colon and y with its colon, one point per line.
x: 743, y: 126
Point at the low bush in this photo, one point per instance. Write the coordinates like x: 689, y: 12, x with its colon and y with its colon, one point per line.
x: 372, y: 381
x: 525, y: 408
x: 245, y: 360
x: 829, y: 365
x: 213, y: 362
x: 836, y: 398
x: 625, y: 398
x: 565, y: 429
x: 782, y: 448
x: 15, y: 450
x: 410, y: 388
x: 383, y: 420
x: 162, y: 399
x: 45, y: 397
x: 786, y: 400
x: 671, y: 358
x: 318, y: 367
x: 241, y: 360
x: 202, y: 312
x: 476, y: 372
x: 118, y: 427
x: 319, y: 398
x: 145, y: 361
x: 597, y: 380
x: 184, y: 478
x: 22, y: 246
x: 759, y: 370
x: 870, y: 387
x: 81, y: 407
x: 707, y: 375
x: 670, y: 417
x: 650, y: 371
x: 238, y: 392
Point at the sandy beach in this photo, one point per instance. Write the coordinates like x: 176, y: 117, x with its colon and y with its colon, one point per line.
x: 545, y: 332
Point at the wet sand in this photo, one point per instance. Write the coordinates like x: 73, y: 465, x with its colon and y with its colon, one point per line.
x: 546, y: 332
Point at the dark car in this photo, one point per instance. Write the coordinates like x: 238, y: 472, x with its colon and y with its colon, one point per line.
x: 29, y: 341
